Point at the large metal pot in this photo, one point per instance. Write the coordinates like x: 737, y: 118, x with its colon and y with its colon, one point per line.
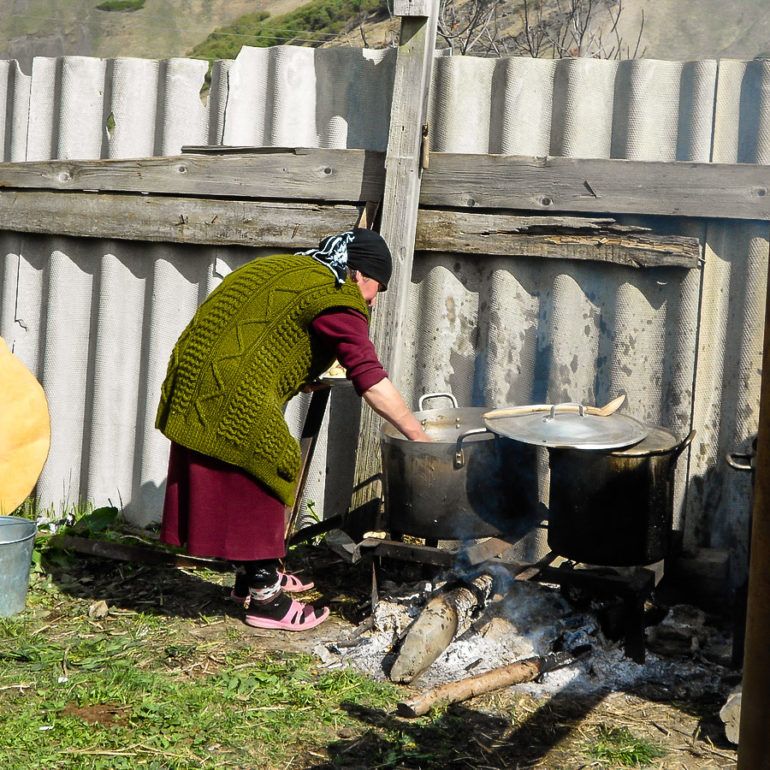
x: 614, y: 508
x: 466, y: 483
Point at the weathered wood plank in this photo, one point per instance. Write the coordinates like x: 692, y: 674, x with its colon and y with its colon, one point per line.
x: 737, y: 191
x: 265, y: 224
x: 401, y: 200
x: 315, y: 174
x: 703, y: 190
x: 411, y: 7
x: 272, y: 224
x: 552, y: 237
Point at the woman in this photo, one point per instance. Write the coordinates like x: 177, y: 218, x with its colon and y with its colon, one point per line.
x: 265, y: 333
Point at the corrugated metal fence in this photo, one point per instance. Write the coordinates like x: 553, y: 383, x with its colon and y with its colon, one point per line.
x: 96, y: 319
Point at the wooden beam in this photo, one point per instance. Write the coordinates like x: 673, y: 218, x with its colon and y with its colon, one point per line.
x: 580, y: 238
x: 272, y: 224
x: 465, y: 181
x: 137, y: 554
x: 298, y: 174
x: 737, y: 191
x: 401, y: 200
x: 264, y: 224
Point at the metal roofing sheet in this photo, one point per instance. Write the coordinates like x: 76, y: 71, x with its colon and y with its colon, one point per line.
x: 96, y: 319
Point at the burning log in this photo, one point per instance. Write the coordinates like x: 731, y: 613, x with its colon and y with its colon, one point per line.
x: 470, y: 687
x: 436, y: 626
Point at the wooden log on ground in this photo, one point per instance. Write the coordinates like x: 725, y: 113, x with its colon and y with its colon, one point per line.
x: 730, y: 714
x: 134, y: 553
x: 454, y: 692
x: 436, y: 626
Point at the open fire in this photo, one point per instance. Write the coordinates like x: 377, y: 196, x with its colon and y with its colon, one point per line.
x: 518, y: 621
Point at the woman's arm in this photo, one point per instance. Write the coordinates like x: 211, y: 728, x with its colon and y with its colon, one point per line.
x: 389, y: 403
x: 345, y: 332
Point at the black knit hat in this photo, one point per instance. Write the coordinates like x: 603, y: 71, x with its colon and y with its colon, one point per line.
x: 369, y: 254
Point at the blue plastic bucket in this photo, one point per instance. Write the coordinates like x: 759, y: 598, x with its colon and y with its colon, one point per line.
x: 17, y: 536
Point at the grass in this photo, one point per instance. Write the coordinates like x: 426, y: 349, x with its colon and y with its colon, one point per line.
x: 310, y: 24
x: 120, y: 5
x: 119, y: 665
x: 136, y: 690
x: 617, y: 746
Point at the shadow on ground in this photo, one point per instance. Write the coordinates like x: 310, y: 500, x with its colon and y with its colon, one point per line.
x: 556, y: 735
x: 461, y: 737
x: 167, y: 590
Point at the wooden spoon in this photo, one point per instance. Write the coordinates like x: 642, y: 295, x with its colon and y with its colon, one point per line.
x: 598, y: 411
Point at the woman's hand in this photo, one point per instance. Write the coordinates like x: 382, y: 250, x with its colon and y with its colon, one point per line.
x: 422, y: 436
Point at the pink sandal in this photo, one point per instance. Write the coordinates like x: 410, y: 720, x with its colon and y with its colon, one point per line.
x: 290, y: 584
x: 299, y: 617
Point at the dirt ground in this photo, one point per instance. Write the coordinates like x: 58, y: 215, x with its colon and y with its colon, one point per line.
x: 506, y: 729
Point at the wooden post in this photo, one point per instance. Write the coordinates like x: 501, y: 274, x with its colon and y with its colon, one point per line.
x: 403, y: 172
x: 753, y: 746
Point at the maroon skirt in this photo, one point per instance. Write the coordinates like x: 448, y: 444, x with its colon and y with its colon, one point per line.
x: 218, y: 510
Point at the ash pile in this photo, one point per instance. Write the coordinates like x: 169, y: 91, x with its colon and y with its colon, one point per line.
x: 458, y: 637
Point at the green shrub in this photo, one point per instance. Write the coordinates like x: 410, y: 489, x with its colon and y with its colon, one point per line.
x: 310, y: 24
x: 120, y: 5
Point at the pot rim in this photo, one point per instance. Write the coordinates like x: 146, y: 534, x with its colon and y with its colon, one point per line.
x: 391, y: 435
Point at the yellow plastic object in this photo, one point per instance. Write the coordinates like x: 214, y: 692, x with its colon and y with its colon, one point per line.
x: 25, y: 431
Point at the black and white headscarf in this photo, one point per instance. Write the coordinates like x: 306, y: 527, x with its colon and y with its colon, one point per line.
x: 333, y: 252
x: 357, y: 249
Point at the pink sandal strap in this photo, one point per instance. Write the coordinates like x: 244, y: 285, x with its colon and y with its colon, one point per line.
x: 291, y: 584
x: 299, y: 617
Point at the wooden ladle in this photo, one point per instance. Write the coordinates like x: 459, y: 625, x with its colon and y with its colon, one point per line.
x: 599, y: 411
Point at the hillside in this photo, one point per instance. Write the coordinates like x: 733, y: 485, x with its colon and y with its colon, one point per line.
x: 158, y: 29
x: 674, y: 29
x: 700, y: 29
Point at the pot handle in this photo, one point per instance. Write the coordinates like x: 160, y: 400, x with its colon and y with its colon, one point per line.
x: 683, y: 445
x: 425, y: 396
x: 459, y: 454
x: 580, y: 409
x: 734, y: 461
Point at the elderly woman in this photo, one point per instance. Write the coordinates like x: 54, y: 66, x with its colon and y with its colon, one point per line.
x: 264, y: 334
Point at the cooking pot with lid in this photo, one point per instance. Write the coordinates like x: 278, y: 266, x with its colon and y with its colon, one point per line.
x: 466, y: 483
x: 615, y: 507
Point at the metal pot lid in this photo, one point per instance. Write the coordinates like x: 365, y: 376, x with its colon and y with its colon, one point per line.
x: 570, y: 429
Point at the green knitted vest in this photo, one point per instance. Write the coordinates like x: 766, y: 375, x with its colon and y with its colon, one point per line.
x: 245, y: 353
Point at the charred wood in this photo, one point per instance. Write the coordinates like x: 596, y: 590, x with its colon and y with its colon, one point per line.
x: 454, y: 692
x: 431, y: 633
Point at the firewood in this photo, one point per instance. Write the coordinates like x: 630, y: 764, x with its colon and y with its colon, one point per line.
x: 730, y: 714
x: 436, y: 626
x: 454, y: 692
